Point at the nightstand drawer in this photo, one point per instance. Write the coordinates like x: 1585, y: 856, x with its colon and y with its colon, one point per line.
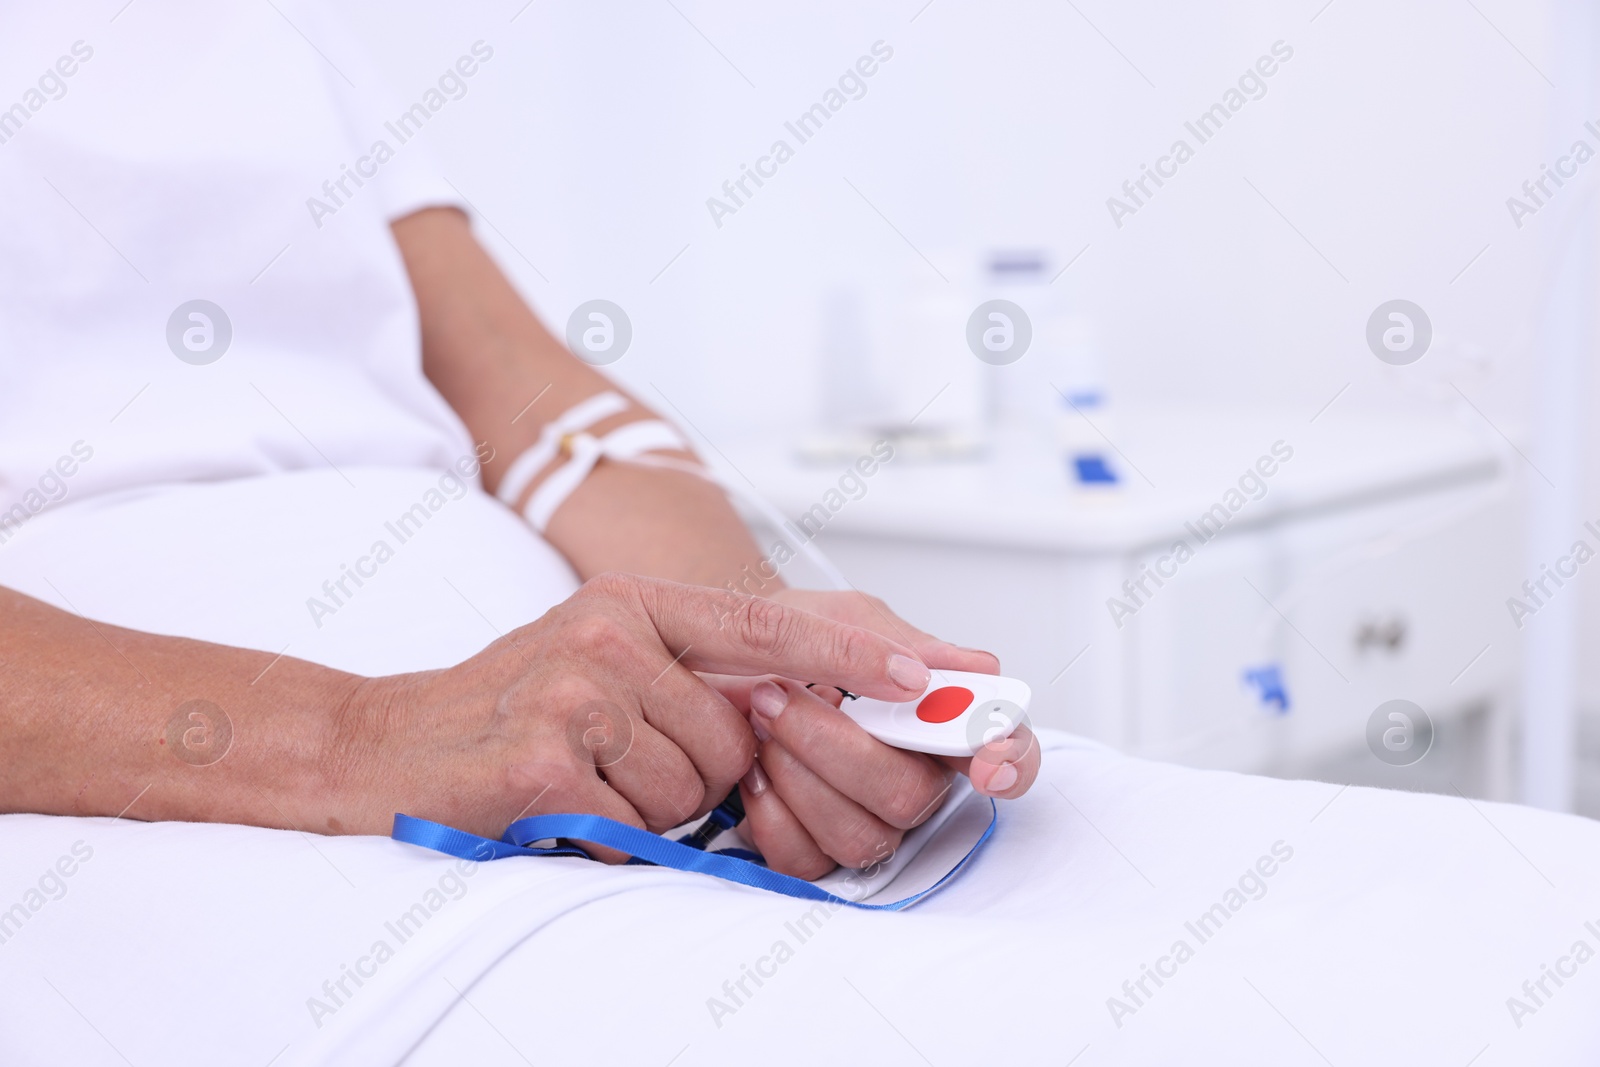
x: 1272, y: 646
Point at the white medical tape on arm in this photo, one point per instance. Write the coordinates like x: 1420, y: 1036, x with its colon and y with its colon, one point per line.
x: 580, y: 416
x: 585, y: 450
x: 565, y: 435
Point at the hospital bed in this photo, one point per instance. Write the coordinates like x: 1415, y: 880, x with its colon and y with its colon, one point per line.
x: 1124, y: 912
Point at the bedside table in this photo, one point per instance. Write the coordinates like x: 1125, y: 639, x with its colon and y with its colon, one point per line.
x: 1326, y: 567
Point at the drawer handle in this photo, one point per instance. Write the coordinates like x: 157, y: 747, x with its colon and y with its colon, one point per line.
x: 1387, y: 636
x: 1267, y: 680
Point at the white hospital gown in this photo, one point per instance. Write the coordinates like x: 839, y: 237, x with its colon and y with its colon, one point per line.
x: 206, y: 152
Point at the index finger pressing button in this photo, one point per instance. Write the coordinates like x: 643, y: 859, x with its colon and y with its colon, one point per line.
x: 731, y: 633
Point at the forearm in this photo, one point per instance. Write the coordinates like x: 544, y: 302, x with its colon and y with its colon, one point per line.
x: 506, y: 376
x: 97, y: 720
x: 662, y: 524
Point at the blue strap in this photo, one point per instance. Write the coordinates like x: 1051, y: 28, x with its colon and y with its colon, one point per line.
x: 646, y: 847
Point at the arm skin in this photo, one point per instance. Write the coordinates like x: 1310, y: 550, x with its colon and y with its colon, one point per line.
x: 84, y: 709
x: 87, y: 716
x: 484, y: 350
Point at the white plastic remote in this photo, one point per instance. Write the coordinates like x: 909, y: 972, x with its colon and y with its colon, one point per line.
x: 957, y: 715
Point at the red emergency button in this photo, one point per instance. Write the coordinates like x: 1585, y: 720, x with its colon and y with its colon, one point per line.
x: 942, y: 705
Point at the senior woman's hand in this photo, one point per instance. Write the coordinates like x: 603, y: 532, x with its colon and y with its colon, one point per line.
x: 823, y: 791
x: 593, y: 708
x: 596, y: 708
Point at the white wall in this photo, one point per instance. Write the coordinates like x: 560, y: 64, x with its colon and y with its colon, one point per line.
x: 1390, y: 140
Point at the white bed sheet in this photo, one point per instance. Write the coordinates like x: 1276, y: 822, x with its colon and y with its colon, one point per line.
x: 1395, y: 933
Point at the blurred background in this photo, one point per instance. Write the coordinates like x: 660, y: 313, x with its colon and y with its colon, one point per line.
x: 1337, y: 347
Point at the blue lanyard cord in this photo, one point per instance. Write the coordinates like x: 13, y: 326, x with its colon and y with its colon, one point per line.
x: 645, y: 847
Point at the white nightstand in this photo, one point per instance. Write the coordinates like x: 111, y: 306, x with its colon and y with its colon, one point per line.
x: 1375, y: 566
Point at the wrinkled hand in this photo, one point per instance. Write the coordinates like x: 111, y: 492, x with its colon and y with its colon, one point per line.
x: 596, y: 708
x: 825, y: 792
